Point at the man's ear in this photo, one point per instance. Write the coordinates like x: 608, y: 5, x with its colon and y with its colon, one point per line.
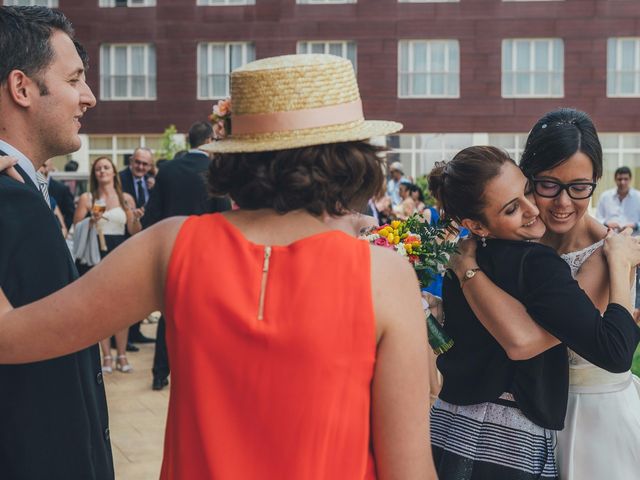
x: 21, y: 88
x: 475, y: 227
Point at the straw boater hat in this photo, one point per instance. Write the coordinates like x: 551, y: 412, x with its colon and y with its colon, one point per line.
x: 296, y: 101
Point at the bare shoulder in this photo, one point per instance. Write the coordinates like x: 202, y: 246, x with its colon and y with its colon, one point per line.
x: 128, y: 199
x: 396, y: 294
x: 595, y: 230
x: 85, y: 199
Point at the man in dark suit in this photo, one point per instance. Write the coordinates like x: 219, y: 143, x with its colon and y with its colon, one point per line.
x: 62, y: 195
x: 53, y: 414
x: 181, y: 189
x: 135, y: 182
x: 135, y: 177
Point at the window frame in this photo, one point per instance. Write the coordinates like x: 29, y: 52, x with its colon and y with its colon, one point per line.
x: 150, y: 78
x: 552, y: 44
x: 613, y: 84
x: 326, y: 44
x: 31, y: 3
x: 447, y: 69
x: 112, y: 4
x: 227, y: 65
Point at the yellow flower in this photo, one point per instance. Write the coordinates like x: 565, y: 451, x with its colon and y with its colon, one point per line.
x: 390, y: 237
x: 396, y: 240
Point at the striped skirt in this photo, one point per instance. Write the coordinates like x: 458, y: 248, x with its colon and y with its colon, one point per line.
x: 490, y: 441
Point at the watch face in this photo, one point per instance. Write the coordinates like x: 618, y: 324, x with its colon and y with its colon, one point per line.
x: 470, y: 273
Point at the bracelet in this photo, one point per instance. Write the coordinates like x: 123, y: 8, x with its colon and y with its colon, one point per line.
x: 468, y: 275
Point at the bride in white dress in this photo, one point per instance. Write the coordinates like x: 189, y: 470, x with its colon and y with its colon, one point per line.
x: 601, y: 437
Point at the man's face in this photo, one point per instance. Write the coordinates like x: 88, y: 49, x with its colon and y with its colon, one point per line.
x: 141, y: 162
x: 56, y: 115
x: 623, y: 181
x: 396, y: 175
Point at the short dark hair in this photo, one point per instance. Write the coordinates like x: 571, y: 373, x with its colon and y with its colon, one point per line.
x: 71, y: 166
x: 332, y: 178
x: 556, y: 137
x: 459, y: 185
x: 415, y: 188
x: 199, y: 133
x: 25, y: 40
x: 622, y: 171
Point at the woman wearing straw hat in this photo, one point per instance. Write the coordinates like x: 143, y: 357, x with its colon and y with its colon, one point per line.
x: 296, y: 351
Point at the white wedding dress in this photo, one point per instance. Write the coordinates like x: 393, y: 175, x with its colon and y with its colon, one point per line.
x: 601, y: 436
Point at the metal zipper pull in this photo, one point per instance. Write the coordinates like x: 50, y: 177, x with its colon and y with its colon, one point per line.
x: 263, y: 286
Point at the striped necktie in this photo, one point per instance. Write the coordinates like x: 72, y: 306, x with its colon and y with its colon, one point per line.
x: 43, y: 186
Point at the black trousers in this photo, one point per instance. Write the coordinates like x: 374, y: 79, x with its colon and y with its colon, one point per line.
x: 161, y: 357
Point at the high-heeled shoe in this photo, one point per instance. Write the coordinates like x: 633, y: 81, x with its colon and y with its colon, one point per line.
x: 121, y: 366
x: 107, y: 364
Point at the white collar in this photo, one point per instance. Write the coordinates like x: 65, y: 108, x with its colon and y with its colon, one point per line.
x: 23, y: 161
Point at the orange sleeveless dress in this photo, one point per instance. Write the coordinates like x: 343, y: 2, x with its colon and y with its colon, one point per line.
x: 272, y: 352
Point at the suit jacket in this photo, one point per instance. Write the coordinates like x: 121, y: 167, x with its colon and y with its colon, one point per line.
x: 181, y: 189
x: 126, y: 179
x: 53, y: 413
x: 64, y: 199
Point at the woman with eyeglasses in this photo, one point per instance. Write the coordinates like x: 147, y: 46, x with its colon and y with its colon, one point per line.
x: 563, y: 160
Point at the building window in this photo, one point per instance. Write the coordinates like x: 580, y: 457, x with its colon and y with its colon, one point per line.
x: 128, y: 72
x: 429, y: 69
x: 341, y: 49
x: 215, y: 62
x: 512, y: 143
x: 533, y: 0
x: 213, y: 3
x: 418, y: 153
x: 428, y: 1
x: 623, y: 67
x: 27, y: 3
x: 117, y: 147
x: 322, y: 2
x: 618, y: 149
x: 127, y: 3
x: 533, y: 68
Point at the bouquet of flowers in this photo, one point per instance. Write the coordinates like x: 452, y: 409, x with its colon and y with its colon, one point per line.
x: 427, y: 248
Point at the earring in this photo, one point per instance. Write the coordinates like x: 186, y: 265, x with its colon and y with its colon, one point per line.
x: 483, y: 240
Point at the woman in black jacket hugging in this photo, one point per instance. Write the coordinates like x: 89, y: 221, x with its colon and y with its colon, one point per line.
x: 495, y: 416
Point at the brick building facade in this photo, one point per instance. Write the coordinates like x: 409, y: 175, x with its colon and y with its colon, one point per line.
x: 454, y: 73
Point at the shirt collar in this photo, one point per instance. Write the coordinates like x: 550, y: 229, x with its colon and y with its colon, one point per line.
x: 195, y: 150
x: 23, y: 161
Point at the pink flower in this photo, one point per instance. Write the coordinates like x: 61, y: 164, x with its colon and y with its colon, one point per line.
x: 222, y: 108
x: 219, y: 131
x: 382, y: 242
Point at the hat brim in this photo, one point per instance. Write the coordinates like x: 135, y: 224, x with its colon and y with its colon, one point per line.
x: 302, y: 138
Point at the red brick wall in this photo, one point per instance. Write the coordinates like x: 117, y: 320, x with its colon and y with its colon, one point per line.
x: 176, y: 26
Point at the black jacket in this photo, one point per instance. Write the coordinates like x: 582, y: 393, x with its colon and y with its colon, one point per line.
x: 128, y: 186
x: 181, y: 189
x: 53, y: 414
x: 477, y: 369
x: 64, y: 199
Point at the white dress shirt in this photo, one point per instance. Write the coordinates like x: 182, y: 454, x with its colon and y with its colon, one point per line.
x: 23, y: 161
x: 625, y: 211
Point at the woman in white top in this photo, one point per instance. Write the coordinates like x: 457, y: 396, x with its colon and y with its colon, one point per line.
x: 112, y: 212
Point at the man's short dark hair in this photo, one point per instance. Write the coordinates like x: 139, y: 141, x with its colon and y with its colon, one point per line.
x: 25, y: 40
x: 622, y: 171
x: 200, y: 133
x: 71, y: 166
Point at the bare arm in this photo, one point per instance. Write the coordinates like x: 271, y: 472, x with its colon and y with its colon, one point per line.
x: 502, y: 315
x: 623, y: 254
x: 133, y: 215
x: 400, y: 392
x: 84, y: 205
x: 82, y: 313
x: 593, y: 278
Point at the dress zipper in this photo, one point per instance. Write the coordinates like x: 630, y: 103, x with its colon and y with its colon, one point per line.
x: 263, y: 286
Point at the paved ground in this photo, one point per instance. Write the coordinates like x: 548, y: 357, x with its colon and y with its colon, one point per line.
x: 137, y: 417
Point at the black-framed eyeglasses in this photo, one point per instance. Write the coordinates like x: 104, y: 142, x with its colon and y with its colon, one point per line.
x: 551, y: 189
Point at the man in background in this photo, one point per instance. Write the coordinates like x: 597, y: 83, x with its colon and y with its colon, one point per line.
x: 181, y: 189
x: 619, y: 207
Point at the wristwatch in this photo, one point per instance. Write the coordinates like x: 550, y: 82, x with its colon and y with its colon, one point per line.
x: 469, y: 274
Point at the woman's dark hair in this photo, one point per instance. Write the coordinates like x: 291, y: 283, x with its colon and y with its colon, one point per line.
x: 415, y: 188
x: 459, y: 185
x: 556, y: 137
x: 332, y: 178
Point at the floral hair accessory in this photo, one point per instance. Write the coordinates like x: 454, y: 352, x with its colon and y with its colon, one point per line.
x: 221, y: 118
